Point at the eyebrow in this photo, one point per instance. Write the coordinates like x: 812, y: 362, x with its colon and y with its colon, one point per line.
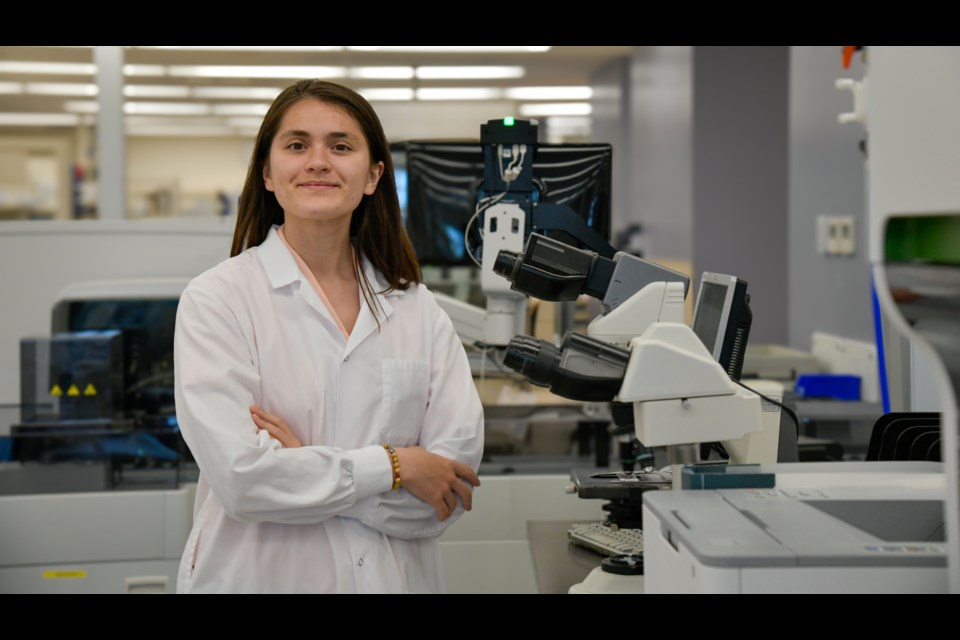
x: 299, y: 133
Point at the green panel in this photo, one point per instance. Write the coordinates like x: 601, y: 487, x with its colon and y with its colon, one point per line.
x: 933, y: 239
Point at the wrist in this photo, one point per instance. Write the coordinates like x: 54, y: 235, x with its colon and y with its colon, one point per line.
x: 394, y: 465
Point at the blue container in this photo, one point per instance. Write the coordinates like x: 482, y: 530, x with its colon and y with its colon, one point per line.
x: 726, y: 476
x: 828, y: 385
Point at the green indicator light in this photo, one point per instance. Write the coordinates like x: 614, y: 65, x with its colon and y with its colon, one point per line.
x: 508, y: 122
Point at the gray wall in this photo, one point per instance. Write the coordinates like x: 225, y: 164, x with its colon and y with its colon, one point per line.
x: 610, y: 125
x: 827, y: 293
x: 740, y: 175
x: 726, y: 155
x: 660, y: 167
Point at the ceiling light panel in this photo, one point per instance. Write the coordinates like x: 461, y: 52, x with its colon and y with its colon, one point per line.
x: 232, y: 48
x: 461, y: 93
x: 549, y: 93
x: 167, y: 108
x: 149, y: 70
x: 465, y: 73
x: 38, y: 119
x: 378, y: 94
x: 237, y: 93
x: 156, y: 91
x: 556, y: 109
x: 241, y: 71
x: 53, y: 68
x: 381, y: 73
x: 61, y: 89
x: 240, y: 109
x: 81, y: 106
x: 477, y: 49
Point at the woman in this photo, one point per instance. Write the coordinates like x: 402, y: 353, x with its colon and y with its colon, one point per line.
x: 322, y: 391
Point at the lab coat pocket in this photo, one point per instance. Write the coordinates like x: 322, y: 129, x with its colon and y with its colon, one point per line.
x: 406, y: 384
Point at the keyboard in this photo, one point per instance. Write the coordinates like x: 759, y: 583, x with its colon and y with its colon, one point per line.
x: 605, y: 540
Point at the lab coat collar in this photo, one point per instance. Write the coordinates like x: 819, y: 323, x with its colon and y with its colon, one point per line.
x: 277, y: 261
x: 282, y: 270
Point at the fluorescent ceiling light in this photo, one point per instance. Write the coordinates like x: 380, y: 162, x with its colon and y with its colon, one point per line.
x: 167, y: 108
x: 556, y: 109
x: 232, y: 48
x: 9, y: 88
x: 456, y: 73
x: 573, y: 125
x: 154, y: 70
x: 39, y: 119
x: 241, y: 109
x: 549, y: 93
x: 81, y: 106
x: 479, y: 49
x: 245, y: 123
x: 62, y: 89
x: 237, y: 93
x: 173, y: 108
x: 386, y: 94
x: 179, y: 131
x: 155, y: 91
x: 463, y: 93
x: 56, y: 68
x: 381, y: 73
x: 178, y: 121
x: 259, y: 71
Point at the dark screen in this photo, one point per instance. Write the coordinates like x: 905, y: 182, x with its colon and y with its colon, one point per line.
x: 147, y: 328
x: 709, y: 309
x: 444, y: 181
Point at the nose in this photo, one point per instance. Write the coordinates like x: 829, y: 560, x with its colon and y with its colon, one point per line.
x: 318, y: 159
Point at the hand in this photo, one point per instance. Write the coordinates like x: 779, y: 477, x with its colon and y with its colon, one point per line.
x: 436, y: 480
x: 275, y: 427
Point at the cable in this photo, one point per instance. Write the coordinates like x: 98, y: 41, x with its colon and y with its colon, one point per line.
x: 789, y: 411
x: 482, y: 205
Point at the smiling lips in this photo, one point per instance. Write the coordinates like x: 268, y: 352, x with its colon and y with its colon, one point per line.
x: 318, y: 184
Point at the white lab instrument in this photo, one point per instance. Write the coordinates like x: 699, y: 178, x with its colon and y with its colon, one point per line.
x: 857, y: 527
x: 852, y: 527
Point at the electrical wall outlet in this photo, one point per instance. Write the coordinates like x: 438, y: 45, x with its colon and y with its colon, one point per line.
x: 836, y: 235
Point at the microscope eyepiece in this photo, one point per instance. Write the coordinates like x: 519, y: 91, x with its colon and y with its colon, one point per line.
x: 581, y: 368
x: 533, y: 358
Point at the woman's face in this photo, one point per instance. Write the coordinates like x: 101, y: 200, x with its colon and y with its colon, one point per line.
x: 319, y: 165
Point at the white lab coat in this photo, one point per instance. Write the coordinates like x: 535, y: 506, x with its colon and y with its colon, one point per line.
x: 321, y: 517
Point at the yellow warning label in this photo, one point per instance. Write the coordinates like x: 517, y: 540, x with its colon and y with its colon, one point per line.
x: 56, y: 391
x: 73, y: 391
x: 90, y: 390
x: 64, y: 574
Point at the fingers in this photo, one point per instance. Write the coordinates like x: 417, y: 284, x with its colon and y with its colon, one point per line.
x: 256, y: 409
x: 466, y: 473
x: 450, y: 503
x: 463, y: 492
x: 275, y: 427
x: 273, y: 430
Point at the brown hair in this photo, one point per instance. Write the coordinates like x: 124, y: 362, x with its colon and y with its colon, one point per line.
x: 376, y: 223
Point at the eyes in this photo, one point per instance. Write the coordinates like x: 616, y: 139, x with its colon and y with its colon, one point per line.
x: 339, y: 147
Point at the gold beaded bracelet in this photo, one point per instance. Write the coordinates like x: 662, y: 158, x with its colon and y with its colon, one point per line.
x: 395, y: 463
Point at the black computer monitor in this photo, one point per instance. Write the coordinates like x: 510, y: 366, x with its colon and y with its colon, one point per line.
x: 439, y: 184
x: 722, y: 318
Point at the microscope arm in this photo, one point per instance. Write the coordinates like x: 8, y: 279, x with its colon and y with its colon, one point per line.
x: 681, y: 395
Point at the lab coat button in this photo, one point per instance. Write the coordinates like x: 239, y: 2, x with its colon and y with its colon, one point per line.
x: 346, y: 358
x: 360, y: 562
